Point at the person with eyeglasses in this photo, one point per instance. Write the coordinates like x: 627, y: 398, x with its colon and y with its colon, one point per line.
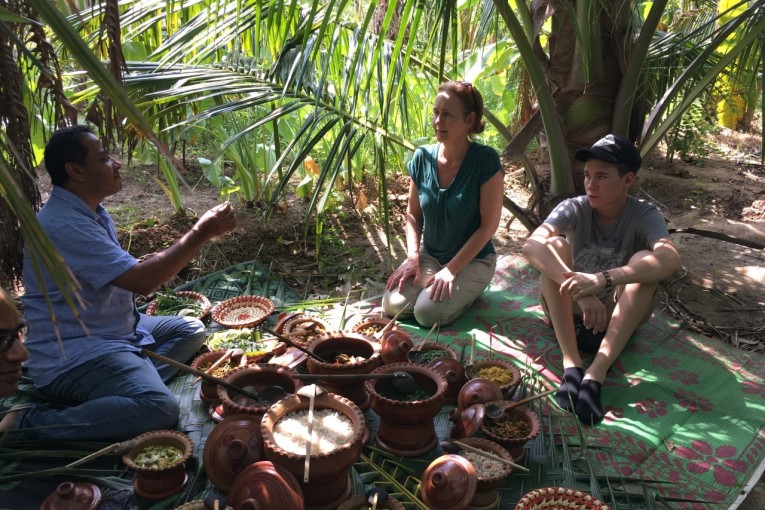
x: 13, y: 329
x: 92, y: 357
x: 455, y: 203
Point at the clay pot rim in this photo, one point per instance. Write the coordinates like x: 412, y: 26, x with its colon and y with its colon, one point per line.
x: 263, y: 303
x: 440, y: 380
x: 384, y: 321
x: 188, y: 450
x: 263, y: 368
x: 337, y: 335
x: 431, y: 346
x: 268, y: 417
x: 202, y: 300
x: 495, y: 448
x: 531, y: 418
x: 499, y: 363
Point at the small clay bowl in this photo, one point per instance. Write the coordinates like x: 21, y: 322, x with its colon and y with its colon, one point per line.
x: 314, y: 326
x: 432, y: 346
x: 487, y: 483
x: 372, y: 325
x: 478, y: 391
x: 201, y: 300
x: 258, y: 377
x: 160, y: 482
x: 515, y: 445
x: 514, y: 372
x: 209, y: 390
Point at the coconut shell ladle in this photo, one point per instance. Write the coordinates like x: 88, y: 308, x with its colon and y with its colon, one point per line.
x: 402, y: 381
x: 496, y: 409
x: 267, y: 396
x: 415, y: 356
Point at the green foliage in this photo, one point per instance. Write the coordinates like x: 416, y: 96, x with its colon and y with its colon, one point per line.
x: 690, y: 138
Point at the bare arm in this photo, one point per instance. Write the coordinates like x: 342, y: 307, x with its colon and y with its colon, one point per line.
x: 147, y: 276
x: 410, y: 268
x: 541, y: 254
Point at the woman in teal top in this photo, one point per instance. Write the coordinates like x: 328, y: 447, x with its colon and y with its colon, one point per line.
x: 455, y: 202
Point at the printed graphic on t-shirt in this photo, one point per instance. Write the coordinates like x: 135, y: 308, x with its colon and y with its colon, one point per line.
x: 597, y: 258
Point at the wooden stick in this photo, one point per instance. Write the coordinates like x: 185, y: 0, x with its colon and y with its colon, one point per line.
x: 103, y: 451
x: 488, y: 455
x: 215, y: 365
x: 387, y: 327
x: 472, y: 348
x: 307, y: 465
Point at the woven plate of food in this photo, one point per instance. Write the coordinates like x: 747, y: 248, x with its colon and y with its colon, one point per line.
x: 555, y: 498
x: 181, y: 302
x: 242, y: 311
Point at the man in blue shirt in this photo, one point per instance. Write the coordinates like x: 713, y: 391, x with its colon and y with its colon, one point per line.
x: 92, y: 358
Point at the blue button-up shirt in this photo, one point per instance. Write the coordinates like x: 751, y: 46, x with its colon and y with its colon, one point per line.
x: 87, y: 241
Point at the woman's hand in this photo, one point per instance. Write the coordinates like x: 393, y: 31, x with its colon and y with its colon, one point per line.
x: 593, y: 313
x: 409, y: 269
x: 439, y: 286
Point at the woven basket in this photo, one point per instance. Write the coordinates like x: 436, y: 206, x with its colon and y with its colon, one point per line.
x: 201, y: 299
x: 237, y: 312
x: 559, y: 498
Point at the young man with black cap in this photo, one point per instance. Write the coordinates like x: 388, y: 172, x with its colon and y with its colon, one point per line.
x: 602, y: 256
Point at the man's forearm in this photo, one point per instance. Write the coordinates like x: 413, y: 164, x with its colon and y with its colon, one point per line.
x: 544, y: 258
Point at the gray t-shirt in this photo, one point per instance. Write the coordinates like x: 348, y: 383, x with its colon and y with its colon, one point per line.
x: 597, y: 247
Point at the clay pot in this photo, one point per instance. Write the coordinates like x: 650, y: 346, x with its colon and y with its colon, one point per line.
x: 466, y: 421
x: 372, y: 325
x: 559, y: 497
x: 361, y: 503
x: 515, y: 446
x: 329, y: 483
x: 449, y: 483
x: 264, y: 486
x: 486, y: 495
x: 199, y: 504
x: 407, y: 428
x: 296, y: 321
x: 478, y: 391
x: 231, y: 446
x: 209, y: 390
x: 257, y: 377
x: 395, y: 344
x: 73, y: 496
x: 154, y: 482
x: 453, y: 372
x: 328, y: 346
x: 506, y: 388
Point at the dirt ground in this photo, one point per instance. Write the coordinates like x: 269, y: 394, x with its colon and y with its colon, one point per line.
x: 720, y: 292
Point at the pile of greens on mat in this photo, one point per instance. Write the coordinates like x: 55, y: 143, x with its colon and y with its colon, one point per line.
x: 170, y: 303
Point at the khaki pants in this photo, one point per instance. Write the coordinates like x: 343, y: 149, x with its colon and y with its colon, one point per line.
x: 467, y: 286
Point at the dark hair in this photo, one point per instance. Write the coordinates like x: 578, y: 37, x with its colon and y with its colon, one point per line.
x: 65, y: 146
x: 471, y: 99
x: 623, y: 169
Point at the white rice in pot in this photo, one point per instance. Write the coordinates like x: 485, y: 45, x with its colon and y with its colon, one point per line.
x: 331, y: 430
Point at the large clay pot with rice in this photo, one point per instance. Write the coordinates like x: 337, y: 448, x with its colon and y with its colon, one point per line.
x: 406, y: 426
x: 338, y: 431
x: 331, y: 347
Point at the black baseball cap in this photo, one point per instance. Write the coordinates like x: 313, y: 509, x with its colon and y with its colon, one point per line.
x: 613, y: 149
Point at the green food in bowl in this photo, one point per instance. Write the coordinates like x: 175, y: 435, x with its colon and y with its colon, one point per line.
x: 158, y: 456
x: 245, y: 338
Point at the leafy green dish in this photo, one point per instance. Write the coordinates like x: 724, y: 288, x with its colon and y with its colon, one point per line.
x: 245, y: 338
x: 169, y: 302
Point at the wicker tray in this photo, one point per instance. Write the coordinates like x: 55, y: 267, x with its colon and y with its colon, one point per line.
x: 200, y: 298
x: 559, y: 498
x: 242, y: 311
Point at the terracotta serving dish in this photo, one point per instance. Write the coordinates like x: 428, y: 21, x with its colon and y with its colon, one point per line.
x: 314, y: 326
x: 73, y: 496
x: 242, y: 311
x: 486, y: 495
x: 449, y: 483
x: 201, y: 300
x: 478, y: 391
x: 372, y: 325
x: 328, y: 346
x: 559, y: 497
x: 431, y: 346
x: 515, y: 445
x: 507, y: 387
x: 361, y: 503
x: 155, y: 482
x: 208, y: 391
x: 406, y: 427
x: 453, y: 372
x: 255, y: 377
x: 231, y: 446
x: 329, y: 483
x: 265, y: 486
x: 395, y: 345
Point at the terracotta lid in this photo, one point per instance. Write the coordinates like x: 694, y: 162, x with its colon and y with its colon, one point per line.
x: 478, y: 391
x: 73, y: 496
x: 453, y: 372
x: 449, y: 483
x: 265, y: 486
x: 468, y: 421
x: 395, y: 345
x: 231, y: 446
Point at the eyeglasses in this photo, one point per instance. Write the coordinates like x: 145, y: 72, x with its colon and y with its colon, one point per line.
x: 469, y: 86
x: 8, y: 336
